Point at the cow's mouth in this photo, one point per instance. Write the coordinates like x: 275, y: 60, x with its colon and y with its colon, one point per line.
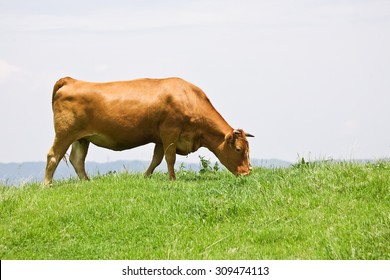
x: 245, y: 173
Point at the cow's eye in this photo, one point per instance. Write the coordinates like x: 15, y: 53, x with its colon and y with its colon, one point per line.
x: 238, y: 149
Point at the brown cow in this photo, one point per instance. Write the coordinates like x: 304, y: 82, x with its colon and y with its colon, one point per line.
x: 172, y: 113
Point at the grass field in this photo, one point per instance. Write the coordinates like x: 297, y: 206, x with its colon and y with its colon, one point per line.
x: 309, y: 211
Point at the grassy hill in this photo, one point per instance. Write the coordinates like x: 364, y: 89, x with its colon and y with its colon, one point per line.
x: 308, y: 211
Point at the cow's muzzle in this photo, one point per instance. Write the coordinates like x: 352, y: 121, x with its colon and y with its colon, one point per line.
x: 244, y: 173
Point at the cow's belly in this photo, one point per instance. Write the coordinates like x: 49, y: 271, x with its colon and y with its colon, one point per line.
x: 116, y: 143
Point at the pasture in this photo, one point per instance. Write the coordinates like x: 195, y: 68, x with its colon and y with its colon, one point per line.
x: 308, y: 211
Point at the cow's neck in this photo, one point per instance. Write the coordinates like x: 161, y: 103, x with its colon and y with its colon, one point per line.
x: 214, y: 132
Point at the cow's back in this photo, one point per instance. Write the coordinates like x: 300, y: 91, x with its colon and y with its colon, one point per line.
x: 166, y: 92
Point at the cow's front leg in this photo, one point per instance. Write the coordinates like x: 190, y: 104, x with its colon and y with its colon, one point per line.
x: 170, y: 158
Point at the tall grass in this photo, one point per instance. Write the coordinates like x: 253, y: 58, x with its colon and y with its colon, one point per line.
x: 309, y: 211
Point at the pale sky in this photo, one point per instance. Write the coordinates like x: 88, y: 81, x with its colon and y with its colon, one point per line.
x: 307, y: 78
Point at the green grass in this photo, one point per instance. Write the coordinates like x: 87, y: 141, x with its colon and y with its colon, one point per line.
x: 309, y: 211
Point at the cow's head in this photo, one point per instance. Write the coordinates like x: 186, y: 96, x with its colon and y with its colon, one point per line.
x: 235, y: 154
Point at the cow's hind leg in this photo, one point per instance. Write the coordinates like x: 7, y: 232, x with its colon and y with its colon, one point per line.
x: 158, y: 155
x: 56, y: 153
x: 77, y: 157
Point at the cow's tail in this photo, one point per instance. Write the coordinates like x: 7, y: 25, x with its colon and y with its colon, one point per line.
x: 59, y: 84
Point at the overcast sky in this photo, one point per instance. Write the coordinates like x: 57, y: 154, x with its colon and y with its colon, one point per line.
x: 308, y: 78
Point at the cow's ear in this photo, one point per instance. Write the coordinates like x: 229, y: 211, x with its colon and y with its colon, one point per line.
x: 230, y: 138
